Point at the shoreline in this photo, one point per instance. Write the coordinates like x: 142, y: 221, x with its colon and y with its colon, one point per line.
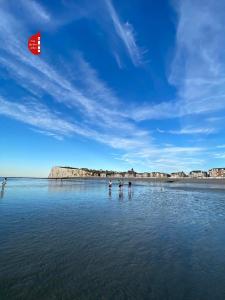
x: 150, y: 179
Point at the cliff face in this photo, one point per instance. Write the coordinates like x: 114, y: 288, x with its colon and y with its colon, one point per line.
x: 68, y: 172
x: 64, y: 172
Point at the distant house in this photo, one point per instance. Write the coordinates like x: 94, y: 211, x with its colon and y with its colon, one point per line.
x: 103, y: 174
x: 143, y: 175
x: 140, y: 175
x: 159, y: 175
x: 217, y: 172
x: 96, y: 174
x: 117, y: 175
x: 198, y: 174
x: 178, y: 175
x: 130, y: 173
x: 146, y: 174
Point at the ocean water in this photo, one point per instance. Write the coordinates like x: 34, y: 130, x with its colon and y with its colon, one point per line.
x: 76, y: 240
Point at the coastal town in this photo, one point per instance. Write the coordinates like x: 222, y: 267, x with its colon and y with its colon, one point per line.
x: 69, y: 172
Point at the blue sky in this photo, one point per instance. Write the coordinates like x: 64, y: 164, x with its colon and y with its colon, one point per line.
x: 118, y: 84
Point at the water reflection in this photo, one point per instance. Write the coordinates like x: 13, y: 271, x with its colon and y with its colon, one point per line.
x: 110, y: 193
x: 76, y: 185
x: 2, y: 192
x: 121, y: 194
x: 92, y: 186
x: 130, y: 193
x: 159, y: 245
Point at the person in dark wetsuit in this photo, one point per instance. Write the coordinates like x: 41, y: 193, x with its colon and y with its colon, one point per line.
x: 129, y: 184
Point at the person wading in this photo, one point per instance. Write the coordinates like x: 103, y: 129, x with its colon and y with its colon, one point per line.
x: 110, y: 184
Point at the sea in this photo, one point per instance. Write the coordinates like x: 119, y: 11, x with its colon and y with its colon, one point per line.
x: 78, y: 240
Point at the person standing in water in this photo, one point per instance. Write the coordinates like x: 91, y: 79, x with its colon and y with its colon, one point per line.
x: 3, y: 187
x: 4, y: 181
x: 120, y: 184
x: 110, y: 184
x: 129, y: 184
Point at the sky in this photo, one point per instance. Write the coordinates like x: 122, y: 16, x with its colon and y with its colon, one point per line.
x: 119, y: 84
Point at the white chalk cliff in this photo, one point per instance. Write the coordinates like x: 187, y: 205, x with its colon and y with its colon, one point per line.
x: 67, y: 172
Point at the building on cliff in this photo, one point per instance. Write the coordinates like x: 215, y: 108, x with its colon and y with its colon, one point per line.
x: 178, y: 175
x: 69, y: 172
x: 130, y: 173
x: 142, y: 175
x: 217, y: 172
x: 198, y: 174
x: 159, y: 175
x: 117, y: 175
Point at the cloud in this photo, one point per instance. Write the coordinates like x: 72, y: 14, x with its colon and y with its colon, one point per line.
x: 168, y: 158
x: 53, y: 124
x: 47, y: 133
x: 38, y: 115
x: 158, y: 111
x: 87, y: 95
x: 219, y: 155
x: 84, y: 105
x: 91, y: 84
x: 120, y: 34
x: 160, y: 130
x: 100, y: 112
x: 125, y: 32
x: 198, y: 62
x: 192, y: 131
x: 220, y: 146
x: 198, y: 65
x: 118, y: 60
x: 36, y: 10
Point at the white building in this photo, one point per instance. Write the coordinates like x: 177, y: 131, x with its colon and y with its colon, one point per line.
x: 178, y: 175
x: 217, y: 172
x: 198, y: 174
x: 159, y: 175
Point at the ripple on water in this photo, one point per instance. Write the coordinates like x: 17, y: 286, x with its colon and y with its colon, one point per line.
x: 75, y: 240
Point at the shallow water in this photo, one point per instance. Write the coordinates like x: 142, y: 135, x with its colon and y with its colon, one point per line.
x: 75, y: 240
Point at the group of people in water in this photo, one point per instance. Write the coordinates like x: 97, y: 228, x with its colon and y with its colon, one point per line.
x: 120, y: 184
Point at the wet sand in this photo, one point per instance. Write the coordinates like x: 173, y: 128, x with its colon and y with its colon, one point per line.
x: 150, y: 179
x: 207, y: 180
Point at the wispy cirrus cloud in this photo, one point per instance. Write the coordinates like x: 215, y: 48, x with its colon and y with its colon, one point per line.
x: 192, y: 131
x: 220, y: 146
x: 189, y: 131
x: 168, y: 158
x: 198, y: 66
x: 126, y: 34
x: 36, y: 10
x: 40, y: 116
x: 88, y: 106
x: 198, y: 63
x: 100, y: 115
x: 219, y: 155
x: 158, y: 111
x: 121, y: 34
x: 54, y: 124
